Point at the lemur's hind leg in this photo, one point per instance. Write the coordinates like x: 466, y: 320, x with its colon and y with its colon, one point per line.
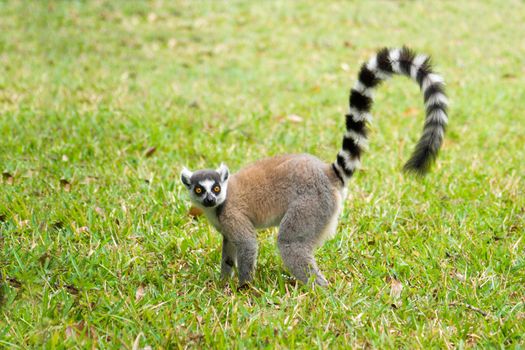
x: 299, y: 259
x: 300, y: 232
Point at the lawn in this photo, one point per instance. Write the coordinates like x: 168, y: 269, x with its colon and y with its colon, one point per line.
x: 102, y: 103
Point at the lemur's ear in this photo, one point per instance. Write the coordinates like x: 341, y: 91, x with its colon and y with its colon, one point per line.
x: 223, y: 171
x: 185, y: 177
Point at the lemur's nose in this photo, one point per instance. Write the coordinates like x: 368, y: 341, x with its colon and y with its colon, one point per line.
x: 208, y: 201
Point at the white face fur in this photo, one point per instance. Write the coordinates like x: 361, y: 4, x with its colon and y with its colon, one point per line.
x: 207, y: 187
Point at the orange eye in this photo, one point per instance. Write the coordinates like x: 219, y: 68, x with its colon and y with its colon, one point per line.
x: 217, y: 189
x: 198, y: 190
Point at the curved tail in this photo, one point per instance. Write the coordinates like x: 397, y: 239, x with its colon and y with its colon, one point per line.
x: 379, y: 68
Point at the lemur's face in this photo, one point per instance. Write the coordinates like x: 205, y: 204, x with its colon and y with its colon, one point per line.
x: 207, y: 187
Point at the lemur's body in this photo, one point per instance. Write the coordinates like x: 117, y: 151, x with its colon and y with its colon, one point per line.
x: 302, y: 194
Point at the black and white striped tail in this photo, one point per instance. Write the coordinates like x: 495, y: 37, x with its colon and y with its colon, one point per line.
x: 379, y: 68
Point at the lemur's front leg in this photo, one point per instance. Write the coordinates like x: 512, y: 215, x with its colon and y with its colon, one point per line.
x: 240, y: 237
x: 246, y: 258
x: 229, y: 258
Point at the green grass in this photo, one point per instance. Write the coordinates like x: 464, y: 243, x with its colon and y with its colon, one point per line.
x: 97, y: 248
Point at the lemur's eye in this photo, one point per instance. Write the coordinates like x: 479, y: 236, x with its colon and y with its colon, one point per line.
x: 198, y: 190
x: 217, y: 189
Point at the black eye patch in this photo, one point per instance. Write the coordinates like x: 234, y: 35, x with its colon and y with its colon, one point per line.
x: 198, y: 190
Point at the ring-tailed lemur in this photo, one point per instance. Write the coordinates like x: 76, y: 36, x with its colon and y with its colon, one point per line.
x: 302, y: 194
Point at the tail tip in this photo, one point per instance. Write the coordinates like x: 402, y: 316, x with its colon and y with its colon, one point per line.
x: 420, y: 163
x: 418, y: 171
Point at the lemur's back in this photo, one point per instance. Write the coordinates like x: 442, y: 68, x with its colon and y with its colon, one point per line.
x: 264, y: 190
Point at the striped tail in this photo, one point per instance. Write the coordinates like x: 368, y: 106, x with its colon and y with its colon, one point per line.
x: 380, y: 67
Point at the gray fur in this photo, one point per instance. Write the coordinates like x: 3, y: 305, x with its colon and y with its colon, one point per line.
x: 299, y: 193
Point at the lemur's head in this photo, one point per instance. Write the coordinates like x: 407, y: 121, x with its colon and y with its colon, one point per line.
x: 207, y: 187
